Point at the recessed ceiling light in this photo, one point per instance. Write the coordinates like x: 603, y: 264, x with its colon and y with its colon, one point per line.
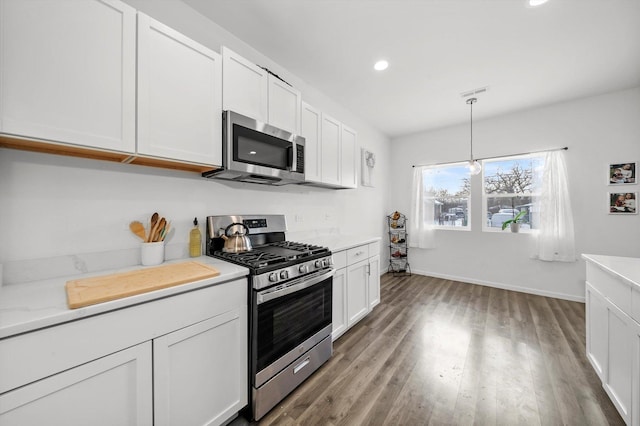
x: 535, y: 3
x: 381, y: 65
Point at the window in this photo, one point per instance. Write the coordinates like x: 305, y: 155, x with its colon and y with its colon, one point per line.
x: 446, y: 193
x: 512, y: 185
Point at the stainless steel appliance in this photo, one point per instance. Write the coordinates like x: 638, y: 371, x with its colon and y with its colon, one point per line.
x: 289, y: 307
x: 258, y: 152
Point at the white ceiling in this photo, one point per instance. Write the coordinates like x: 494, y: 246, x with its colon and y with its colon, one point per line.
x: 437, y: 49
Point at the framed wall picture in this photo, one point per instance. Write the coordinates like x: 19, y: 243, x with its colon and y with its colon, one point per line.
x: 622, y: 173
x: 623, y: 202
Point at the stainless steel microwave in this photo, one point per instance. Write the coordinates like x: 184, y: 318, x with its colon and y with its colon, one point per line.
x: 258, y: 152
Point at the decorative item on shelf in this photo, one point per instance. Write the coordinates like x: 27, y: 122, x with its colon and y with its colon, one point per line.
x: 474, y: 166
x: 398, y: 247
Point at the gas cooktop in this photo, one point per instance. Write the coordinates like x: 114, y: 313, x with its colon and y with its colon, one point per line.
x: 276, y: 254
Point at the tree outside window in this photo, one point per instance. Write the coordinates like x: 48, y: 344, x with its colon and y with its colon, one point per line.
x: 510, y: 186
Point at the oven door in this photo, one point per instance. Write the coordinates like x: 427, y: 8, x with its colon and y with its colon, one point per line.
x: 287, y: 320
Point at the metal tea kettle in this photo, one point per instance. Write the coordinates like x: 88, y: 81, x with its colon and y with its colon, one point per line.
x: 238, y: 242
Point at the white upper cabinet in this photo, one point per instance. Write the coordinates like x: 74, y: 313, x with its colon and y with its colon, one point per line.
x: 348, y: 158
x: 310, y: 125
x: 179, y: 96
x: 245, y: 86
x: 331, y: 155
x: 285, y: 103
x: 250, y: 90
x: 67, y: 72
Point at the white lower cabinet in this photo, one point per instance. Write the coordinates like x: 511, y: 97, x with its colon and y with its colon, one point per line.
x: 374, y: 279
x: 357, y: 289
x: 196, y: 380
x: 113, y: 390
x: 339, y: 307
x: 356, y: 285
x: 613, y: 339
x: 180, y: 360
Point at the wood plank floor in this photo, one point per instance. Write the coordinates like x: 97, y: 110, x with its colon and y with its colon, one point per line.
x: 439, y: 352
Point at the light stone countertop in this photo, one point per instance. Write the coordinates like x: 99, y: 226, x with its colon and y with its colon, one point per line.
x: 337, y: 242
x: 30, y: 306
x: 626, y: 268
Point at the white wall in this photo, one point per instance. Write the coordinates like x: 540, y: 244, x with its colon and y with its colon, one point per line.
x: 598, y: 131
x: 52, y: 206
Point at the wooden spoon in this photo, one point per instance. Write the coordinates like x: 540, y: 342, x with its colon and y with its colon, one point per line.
x: 154, y: 221
x: 138, y: 229
x: 159, y: 226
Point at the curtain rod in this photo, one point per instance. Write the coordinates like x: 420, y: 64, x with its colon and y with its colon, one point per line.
x: 565, y: 148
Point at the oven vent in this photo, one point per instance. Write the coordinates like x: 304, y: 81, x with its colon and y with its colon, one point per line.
x: 474, y: 92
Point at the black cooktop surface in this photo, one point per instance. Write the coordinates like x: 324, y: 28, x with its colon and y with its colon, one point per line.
x: 274, y: 255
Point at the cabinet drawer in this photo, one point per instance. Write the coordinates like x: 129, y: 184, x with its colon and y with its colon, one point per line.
x: 31, y: 356
x: 614, y: 289
x: 374, y: 248
x: 340, y: 259
x: 357, y: 254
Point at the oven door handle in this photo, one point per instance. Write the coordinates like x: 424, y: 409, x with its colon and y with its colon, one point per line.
x: 268, y: 295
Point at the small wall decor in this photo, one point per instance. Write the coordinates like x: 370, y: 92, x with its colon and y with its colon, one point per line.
x: 623, y: 202
x: 622, y: 173
x: 368, y: 163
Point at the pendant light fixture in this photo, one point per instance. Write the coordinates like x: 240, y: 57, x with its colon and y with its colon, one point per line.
x: 474, y: 166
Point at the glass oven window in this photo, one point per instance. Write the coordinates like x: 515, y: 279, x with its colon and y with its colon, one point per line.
x: 260, y: 149
x: 286, y: 322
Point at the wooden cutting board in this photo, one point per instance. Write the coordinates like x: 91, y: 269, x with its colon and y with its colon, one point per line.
x: 90, y: 291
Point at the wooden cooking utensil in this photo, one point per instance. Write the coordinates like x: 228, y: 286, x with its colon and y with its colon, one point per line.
x: 159, y: 227
x: 138, y: 229
x: 154, y: 222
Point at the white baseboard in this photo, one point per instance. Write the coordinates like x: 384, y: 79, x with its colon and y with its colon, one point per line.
x: 502, y: 286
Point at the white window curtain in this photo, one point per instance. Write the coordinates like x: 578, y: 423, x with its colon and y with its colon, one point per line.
x: 556, y: 241
x: 421, y: 233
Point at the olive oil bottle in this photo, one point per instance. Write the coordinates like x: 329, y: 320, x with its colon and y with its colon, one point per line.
x: 195, y: 240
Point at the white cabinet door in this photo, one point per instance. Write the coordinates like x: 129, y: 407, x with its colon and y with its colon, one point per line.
x: 357, y: 292
x: 618, y: 379
x: 348, y: 158
x: 339, y: 304
x: 331, y: 131
x: 68, y: 72
x: 113, y: 390
x: 310, y: 126
x: 284, y: 107
x: 374, y: 281
x: 596, y: 327
x: 245, y: 86
x: 200, y: 372
x: 635, y: 376
x: 179, y: 96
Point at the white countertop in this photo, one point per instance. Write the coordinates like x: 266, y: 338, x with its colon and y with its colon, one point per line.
x: 29, y: 306
x: 627, y: 268
x: 337, y: 242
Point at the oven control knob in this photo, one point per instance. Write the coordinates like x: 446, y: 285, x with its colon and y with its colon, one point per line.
x: 284, y: 275
x: 273, y: 277
x: 302, y: 269
x: 318, y: 264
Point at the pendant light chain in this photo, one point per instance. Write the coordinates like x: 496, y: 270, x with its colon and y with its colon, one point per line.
x: 471, y: 102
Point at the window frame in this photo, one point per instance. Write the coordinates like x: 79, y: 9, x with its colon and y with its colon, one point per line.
x: 439, y: 227
x: 485, y: 196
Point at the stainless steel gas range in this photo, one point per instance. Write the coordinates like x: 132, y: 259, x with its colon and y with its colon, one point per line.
x: 289, y: 307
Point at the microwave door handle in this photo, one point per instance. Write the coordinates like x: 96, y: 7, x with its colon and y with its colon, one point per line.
x: 291, y: 152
